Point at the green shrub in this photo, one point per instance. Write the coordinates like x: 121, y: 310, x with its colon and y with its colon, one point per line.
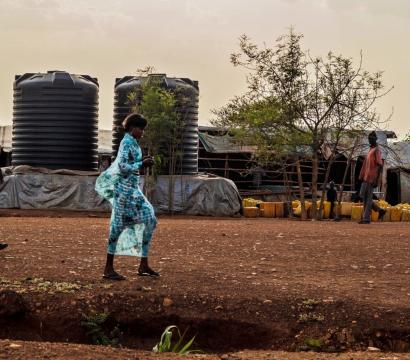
x: 165, y: 343
x: 99, y: 331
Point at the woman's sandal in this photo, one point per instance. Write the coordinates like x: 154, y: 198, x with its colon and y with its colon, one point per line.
x: 148, y: 272
x: 114, y: 276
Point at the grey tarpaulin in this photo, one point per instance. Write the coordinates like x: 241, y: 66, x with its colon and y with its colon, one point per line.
x: 198, y: 195
x: 29, y: 188
x: 8, y: 193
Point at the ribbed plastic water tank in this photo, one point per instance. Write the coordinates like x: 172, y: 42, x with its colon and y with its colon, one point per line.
x: 55, y: 121
x: 189, y: 109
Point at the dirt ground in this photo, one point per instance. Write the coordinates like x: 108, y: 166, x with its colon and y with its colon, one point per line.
x: 261, y: 284
x: 19, y: 350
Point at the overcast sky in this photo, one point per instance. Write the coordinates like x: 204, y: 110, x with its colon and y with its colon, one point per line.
x: 194, y: 38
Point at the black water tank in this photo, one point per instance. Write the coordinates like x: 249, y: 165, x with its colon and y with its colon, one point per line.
x: 189, y: 109
x: 55, y: 121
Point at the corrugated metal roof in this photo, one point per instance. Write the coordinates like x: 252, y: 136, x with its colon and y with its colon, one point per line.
x: 399, y: 155
x: 223, y: 144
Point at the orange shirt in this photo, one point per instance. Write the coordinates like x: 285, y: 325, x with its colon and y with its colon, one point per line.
x: 370, y: 165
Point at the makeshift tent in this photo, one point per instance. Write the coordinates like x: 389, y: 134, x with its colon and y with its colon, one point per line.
x: 25, y: 187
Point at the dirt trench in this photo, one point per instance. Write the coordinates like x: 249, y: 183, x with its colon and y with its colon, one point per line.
x: 140, y: 322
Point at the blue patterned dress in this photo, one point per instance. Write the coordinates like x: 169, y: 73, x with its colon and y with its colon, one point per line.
x: 133, y: 219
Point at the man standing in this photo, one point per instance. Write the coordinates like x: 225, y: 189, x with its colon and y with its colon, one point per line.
x: 331, y: 196
x: 370, y: 174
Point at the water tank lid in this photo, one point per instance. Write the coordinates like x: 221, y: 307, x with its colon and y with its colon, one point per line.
x: 124, y: 79
x: 25, y: 76
x: 157, y: 75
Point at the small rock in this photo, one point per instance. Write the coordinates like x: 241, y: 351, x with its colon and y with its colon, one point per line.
x: 219, y: 307
x: 225, y: 357
x: 374, y: 349
x: 268, y: 302
x: 167, y: 302
x: 14, y: 346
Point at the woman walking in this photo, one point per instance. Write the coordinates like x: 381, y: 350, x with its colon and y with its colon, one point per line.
x: 133, y: 219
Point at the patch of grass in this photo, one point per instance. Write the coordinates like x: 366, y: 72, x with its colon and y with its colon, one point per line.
x: 314, y: 344
x: 165, y: 343
x: 39, y: 284
x: 98, y: 328
x: 311, y: 317
x: 54, y: 286
x: 14, y: 285
x: 310, y: 303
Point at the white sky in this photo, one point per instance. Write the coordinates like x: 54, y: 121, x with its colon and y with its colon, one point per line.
x: 194, y: 38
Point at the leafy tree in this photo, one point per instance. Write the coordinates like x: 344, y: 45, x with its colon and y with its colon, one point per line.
x: 299, y: 105
x: 163, y: 136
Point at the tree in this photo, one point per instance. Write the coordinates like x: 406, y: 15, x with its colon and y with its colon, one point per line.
x: 295, y: 101
x: 162, y: 138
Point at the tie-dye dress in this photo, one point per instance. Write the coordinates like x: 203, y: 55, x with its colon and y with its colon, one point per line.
x: 133, y: 219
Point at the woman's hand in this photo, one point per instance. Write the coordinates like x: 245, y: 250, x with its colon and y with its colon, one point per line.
x: 147, y: 161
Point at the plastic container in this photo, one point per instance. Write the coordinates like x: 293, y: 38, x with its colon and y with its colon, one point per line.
x: 310, y: 208
x: 405, y: 215
x: 268, y: 209
x: 346, y: 209
x: 251, y: 212
x: 298, y: 210
x: 246, y: 203
x: 55, y: 121
x: 279, y: 209
x: 187, y: 96
x: 357, y: 212
x: 395, y: 214
x: 326, y: 209
x: 375, y: 216
x: 387, y: 215
x: 249, y: 202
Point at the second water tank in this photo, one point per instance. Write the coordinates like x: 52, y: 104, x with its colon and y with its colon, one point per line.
x: 189, y: 109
